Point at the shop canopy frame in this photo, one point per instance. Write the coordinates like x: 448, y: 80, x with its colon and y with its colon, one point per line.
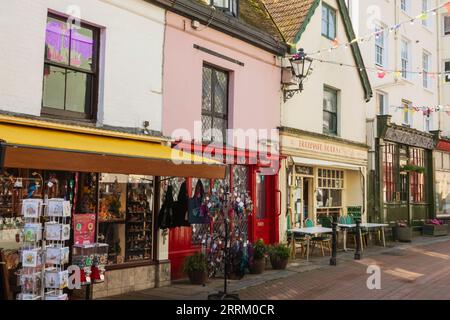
x: 45, y: 145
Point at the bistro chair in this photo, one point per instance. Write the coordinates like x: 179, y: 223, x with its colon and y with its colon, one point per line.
x: 364, y: 234
x: 309, y: 223
x: 322, y: 240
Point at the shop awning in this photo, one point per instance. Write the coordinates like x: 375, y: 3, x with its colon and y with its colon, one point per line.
x: 324, y: 163
x: 46, y: 145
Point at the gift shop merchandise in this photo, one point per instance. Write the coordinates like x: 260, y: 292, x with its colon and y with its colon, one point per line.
x: 45, y: 253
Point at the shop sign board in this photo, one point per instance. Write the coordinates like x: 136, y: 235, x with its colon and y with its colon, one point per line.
x: 409, y: 138
x: 324, y: 148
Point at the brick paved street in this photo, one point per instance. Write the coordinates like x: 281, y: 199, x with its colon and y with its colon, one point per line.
x: 421, y: 272
x: 409, y: 271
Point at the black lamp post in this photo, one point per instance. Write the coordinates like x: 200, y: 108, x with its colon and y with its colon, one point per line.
x: 300, y: 68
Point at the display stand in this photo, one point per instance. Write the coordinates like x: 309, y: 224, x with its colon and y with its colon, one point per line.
x: 44, y: 254
x: 224, y: 295
x: 32, y: 274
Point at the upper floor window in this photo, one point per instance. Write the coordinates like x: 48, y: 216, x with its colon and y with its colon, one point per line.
x: 70, y: 69
x: 214, y: 104
x: 405, y: 58
x: 328, y: 22
x: 330, y: 114
x: 407, y: 118
x: 425, y: 22
x: 382, y: 102
x: 447, y: 71
x: 380, y: 46
x: 228, y: 6
x: 447, y: 25
x: 405, y: 6
x: 426, y: 61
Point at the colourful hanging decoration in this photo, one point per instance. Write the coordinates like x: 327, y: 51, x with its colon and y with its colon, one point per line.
x: 447, y: 6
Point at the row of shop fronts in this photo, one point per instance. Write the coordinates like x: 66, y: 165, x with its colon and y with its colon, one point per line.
x: 103, y: 172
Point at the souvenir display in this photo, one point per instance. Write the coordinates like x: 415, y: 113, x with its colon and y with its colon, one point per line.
x: 84, y: 228
x: 28, y: 296
x: 58, y: 208
x: 139, y: 222
x: 83, y: 256
x: 32, y: 232
x: 31, y: 208
x: 57, y: 231
x: 55, y: 279
x: 31, y: 258
x: 30, y: 282
x: 57, y: 255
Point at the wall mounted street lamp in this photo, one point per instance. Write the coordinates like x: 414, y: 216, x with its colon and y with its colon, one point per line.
x: 296, y: 73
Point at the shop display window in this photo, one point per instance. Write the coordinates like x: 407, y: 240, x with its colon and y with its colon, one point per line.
x: 125, y: 217
x: 330, y: 186
x: 417, y: 183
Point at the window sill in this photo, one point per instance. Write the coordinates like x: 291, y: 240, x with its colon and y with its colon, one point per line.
x: 427, y: 28
x: 48, y: 113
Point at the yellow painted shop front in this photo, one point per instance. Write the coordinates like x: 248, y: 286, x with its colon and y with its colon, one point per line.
x: 322, y: 176
x: 112, y: 178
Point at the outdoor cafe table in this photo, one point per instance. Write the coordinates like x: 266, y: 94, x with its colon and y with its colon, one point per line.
x: 309, y: 232
x: 363, y: 226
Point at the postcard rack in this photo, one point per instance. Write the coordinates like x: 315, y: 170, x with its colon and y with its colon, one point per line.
x: 44, y: 252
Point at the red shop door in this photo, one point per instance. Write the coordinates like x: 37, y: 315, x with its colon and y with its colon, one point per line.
x: 264, y: 223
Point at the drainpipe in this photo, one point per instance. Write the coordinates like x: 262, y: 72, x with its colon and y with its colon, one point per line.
x: 363, y: 211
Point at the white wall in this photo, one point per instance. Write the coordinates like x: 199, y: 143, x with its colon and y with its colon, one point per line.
x: 388, y: 13
x: 132, y: 34
x: 305, y: 110
x: 444, y: 55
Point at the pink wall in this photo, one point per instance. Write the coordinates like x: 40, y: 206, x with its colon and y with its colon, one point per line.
x: 255, y: 90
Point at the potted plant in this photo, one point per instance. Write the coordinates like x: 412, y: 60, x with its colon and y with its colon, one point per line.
x: 279, y: 256
x: 435, y: 228
x: 258, y: 261
x: 412, y: 168
x: 196, y: 268
x: 402, y: 232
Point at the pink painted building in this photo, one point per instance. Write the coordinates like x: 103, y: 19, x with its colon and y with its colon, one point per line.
x: 222, y: 71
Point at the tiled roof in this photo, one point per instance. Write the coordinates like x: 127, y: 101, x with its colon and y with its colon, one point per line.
x: 254, y: 13
x: 289, y: 15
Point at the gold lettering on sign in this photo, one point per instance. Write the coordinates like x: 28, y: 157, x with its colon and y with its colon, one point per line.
x: 326, y: 148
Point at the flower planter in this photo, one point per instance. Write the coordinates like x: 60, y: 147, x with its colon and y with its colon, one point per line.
x: 435, y: 230
x: 198, y: 277
x: 258, y: 266
x: 402, y: 234
x: 278, y: 263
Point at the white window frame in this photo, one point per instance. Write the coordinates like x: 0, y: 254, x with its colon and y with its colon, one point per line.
x: 426, y: 7
x: 426, y: 67
x: 405, y: 5
x: 428, y: 122
x: 383, y: 98
x: 408, y: 119
x: 382, y: 45
x: 446, y: 71
x: 446, y: 31
x: 405, y: 58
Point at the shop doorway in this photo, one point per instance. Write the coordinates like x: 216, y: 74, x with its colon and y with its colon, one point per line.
x: 265, y: 208
x: 307, y: 198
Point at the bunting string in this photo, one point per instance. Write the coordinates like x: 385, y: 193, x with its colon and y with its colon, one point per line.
x: 381, y: 72
x: 380, y: 31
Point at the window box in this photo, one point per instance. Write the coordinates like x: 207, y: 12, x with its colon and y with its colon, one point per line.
x: 435, y: 230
